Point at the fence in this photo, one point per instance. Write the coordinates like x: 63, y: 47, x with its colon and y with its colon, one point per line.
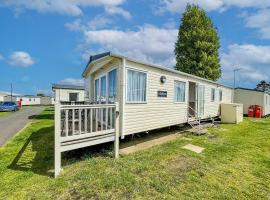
x: 78, y: 126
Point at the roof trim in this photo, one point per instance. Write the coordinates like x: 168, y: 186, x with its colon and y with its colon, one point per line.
x: 148, y: 64
x: 71, y: 87
x: 253, y: 90
x: 94, y: 59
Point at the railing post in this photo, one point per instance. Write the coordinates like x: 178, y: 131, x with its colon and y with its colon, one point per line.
x: 57, y: 131
x: 117, y: 130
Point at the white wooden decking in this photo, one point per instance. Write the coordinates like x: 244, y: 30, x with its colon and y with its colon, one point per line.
x: 78, y: 126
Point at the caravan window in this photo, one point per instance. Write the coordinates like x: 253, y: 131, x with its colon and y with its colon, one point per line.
x: 220, y: 95
x: 112, y: 86
x: 73, y: 96
x: 213, y: 94
x: 103, y: 90
x: 136, y: 86
x: 179, y: 91
x: 97, y: 90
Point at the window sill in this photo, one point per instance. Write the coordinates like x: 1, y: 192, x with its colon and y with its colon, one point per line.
x: 179, y: 102
x: 134, y: 102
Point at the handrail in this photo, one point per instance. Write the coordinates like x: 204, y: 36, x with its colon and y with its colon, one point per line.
x: 195, y: 112
x: 87, y: 106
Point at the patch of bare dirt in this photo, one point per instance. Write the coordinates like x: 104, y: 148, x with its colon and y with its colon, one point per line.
x: 181, y: 165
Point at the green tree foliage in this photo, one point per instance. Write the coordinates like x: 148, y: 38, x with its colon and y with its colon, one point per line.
x: 196, y: 49
x: 263, y: 86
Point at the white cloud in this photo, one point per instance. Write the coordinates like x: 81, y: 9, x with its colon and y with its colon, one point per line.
x: 178, y: 6
x: 1, y: 57
x: 76, y: 25
x: 96, y: 23
x: 148, y: 43
x: 72, y: 81
x: 114, y: 10
x: 253, y: 60
x: 8, y: 93
x: 69, y: 7
x: 261, y: 21
x: 21, y: 59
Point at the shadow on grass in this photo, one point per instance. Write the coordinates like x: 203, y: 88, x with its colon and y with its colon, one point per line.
x: 43, y: 116
x: 37, y: 153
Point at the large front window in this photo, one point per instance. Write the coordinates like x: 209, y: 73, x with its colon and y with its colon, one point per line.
x: 136, y: 86
x: 106, y: 88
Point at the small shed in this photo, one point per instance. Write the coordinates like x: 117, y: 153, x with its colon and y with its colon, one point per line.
x: 68, y: 93
x: 249, y: 97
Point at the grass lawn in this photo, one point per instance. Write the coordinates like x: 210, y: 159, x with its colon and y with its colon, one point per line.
x: 2, y: 114
x: 234, y: 165
x: 5, y: 113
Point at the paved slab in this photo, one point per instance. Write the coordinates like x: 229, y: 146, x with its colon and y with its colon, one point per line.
x: 148, y: 144
x: 11, y: 124
x: 193, y: 148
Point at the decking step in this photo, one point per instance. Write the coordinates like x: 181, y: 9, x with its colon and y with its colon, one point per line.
x: 193, y: 123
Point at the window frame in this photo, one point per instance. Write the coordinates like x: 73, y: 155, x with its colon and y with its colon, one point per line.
x: 213, y: 99
x: 117, y: 83
x: 106, y: 74
x: 77, y: 93
x: 174, y: 94
x: 220, y: 96
x: 146, y: 86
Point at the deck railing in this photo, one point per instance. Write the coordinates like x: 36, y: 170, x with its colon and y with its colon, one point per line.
x: 78, y: 126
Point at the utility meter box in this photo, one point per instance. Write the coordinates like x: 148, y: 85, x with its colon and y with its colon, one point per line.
x: 231, y: 113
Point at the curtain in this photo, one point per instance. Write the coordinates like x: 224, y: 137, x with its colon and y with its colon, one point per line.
x: 136, y: 86
x: 112, y: 86
x: 179, y: 92
x: 213, y: 94
x: 97, y: 90
x: 103, y: 89
x: 220, y: 95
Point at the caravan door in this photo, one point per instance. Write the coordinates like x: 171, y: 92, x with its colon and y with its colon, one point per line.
x: 200, y: 92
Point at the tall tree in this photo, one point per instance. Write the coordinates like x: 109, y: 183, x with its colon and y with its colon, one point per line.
x: 196, y: 49
x: 263, y: 86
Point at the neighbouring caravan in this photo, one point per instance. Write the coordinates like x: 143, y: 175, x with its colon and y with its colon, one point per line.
x: 2, y: 95
x: 46, y: 100
x: 28, y: 100
x: 68, y: 93
x: 126, y: 96
x: 249, y: 97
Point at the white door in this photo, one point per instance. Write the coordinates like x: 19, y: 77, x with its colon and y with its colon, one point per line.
x: 200, y: 100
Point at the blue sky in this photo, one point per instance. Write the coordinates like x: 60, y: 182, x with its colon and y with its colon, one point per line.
x: 45, y: 42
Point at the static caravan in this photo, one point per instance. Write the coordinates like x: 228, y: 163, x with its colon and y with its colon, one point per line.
x: 45, y: 100
x: 28, y: 100
x: 2, y: 95
x: 249, y: 97
x: 68, y: 93
x: 9, y: 98
x: 151, y: 96
x: 127, y: 96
